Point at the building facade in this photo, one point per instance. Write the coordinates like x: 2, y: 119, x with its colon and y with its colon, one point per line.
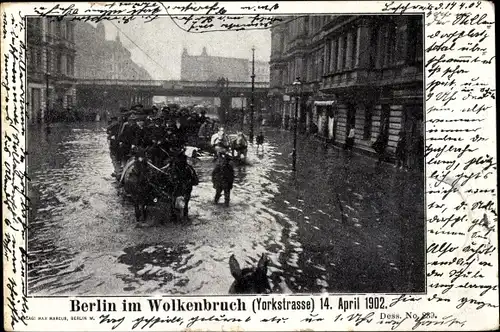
x: 50, y: 67
x: 361, y: 72
x: 261, y: 70
x: 205, y: 67
x: 99, y: 58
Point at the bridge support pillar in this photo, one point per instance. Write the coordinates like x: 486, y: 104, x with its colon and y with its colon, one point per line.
x: 225, y: 107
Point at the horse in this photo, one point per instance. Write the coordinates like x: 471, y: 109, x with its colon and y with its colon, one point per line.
x: 249, y: 280
x: 238, y: 144
x: 221, y: 143
x: 177, y: 182
x: 136, y: 182
x: 159, y: 152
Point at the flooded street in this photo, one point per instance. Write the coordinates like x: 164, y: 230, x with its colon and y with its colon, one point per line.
x: 335, y: 226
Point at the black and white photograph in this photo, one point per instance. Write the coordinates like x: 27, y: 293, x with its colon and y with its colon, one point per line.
x: 279, y: 160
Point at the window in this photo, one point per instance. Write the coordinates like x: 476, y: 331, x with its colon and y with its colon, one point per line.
x: 49, y: 61
x: 373, y: 47
x: 38, y: 58
x: 59, y: 67
x: 69, y: 65
x: 348, y: 56
x: 316, y: 66
x: 35, y: 26
x: 52, y: 27
x: 70, y: 31
x: 390, y: 43
x: 345, y: 54
x: 64, y: 28
x: 307, y: 66
x: 31, y: 57
x: 333, y: 55
x: 64, y: 64
x: 321, y: 54
x: 342, y: 52
x: 354, y: 48
x: 326, y: 67
x: 414, y: 50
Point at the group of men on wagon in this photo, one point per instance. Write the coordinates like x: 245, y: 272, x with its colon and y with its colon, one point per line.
x: 165, y: 133
x: 162, y: 132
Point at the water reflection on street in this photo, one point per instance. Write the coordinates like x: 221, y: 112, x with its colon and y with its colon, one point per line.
x: 83, y: 237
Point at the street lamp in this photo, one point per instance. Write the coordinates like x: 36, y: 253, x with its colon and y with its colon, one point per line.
x: 253, y: 87
x: 242, y: 111
x: 47, y: 76
x: 297, y: 90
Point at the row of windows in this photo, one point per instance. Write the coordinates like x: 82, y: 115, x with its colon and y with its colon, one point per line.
x: 56, y: 61
x: 389, y: 44
x: 316, y: 23
x: 298, y: 26
x: 55, y: 29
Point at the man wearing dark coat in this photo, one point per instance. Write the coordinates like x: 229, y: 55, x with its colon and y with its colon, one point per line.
x: 131, y: 135
x: 379, y: 146
x: 401, y: 151
x: 112, y: 130
x: 155, y: 139
x: 222, y: 179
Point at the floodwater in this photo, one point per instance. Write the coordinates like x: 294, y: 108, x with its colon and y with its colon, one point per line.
x: 337, y: 225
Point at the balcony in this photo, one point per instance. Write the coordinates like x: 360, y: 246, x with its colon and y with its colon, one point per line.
x: 34, y: 75
x: 307, y: 88
x: 362, y: 77
x: 65, y: 44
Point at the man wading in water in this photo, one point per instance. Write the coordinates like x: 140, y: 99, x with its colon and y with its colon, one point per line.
x: 223, y: 178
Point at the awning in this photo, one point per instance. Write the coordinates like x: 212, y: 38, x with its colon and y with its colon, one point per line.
x: 325, y: 102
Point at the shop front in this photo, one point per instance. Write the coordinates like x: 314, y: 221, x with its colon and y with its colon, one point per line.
x: 324, y: 117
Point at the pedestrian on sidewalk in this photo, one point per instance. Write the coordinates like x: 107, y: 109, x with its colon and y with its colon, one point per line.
x: 349, y: 141
x: 401, y: 152
x: 379, y: 146
x: 222, y: 179
x: 260, y: 141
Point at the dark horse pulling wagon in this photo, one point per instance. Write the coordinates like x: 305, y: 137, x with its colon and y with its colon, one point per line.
x: 148, y: 151
x: 147, y: 184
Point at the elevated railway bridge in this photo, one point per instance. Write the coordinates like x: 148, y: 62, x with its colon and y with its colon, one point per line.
x: 112, y: 94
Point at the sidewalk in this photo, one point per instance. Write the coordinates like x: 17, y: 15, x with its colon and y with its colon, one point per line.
x: 362, y: 222
x: 389, y: 159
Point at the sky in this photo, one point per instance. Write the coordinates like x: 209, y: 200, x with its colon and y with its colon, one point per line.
x: 163, y: 41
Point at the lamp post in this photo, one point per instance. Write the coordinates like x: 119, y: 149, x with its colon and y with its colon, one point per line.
x: 297, y: 89
x: 252, y: 102
x: 104, y: 112
x: 47, y: 96
x: 242, y: 111
x: 259, y: 113
x: 47, y: 75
